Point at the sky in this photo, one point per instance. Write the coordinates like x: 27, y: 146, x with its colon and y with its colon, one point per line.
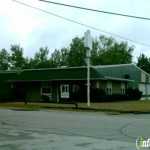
x: 32, y: 29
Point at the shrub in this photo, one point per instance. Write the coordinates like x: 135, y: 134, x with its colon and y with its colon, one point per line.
x: 97, y: 94
x: 45, y: 98
x: 133, y: 94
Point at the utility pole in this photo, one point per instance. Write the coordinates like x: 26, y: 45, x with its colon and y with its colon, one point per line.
x: 88, y: 81
x: 88, y: 46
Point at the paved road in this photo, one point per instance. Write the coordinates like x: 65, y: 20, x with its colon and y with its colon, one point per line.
x: 60, y: 130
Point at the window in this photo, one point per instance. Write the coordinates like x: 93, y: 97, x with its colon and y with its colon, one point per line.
x: 109, y: 91
x: 122, y: 90
x: 46, y: 90
x: 147, y: 79
x: 75, y: 88
x: 64, y: 89
x: 109, y: 88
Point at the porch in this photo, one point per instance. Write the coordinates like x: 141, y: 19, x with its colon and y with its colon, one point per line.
x: 65, y: 91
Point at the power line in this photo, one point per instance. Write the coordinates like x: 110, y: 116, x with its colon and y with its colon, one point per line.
x: 96, y: 10
x: 82, y: 24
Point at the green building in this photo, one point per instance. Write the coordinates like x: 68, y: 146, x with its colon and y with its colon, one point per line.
x: 69, y: 83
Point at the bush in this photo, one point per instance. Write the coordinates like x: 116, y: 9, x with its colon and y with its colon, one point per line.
x: 45, y: 98
x: 133, y: 94
x: 97, y: 94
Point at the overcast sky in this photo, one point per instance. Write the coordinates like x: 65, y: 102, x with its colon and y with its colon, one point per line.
x: 32, y: 29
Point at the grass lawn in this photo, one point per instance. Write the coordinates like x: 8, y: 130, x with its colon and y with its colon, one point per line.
x: 122, y: 107
x: 128, y: 106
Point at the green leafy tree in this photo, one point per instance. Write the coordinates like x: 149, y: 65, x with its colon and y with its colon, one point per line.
x: 16, y: 58
x: 4, y: 60
x: 105, y: 51
x: 77, y: 53
x: 59, y: 57
x: 108, y: 51
x: 56, y: 58
x: 27, y: 63
x: 144, y: 63
x: 40, y: 59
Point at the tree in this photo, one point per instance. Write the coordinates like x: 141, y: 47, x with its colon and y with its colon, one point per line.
x: 144, y: 63
x: 4, y: 60
x: 59, y: 57
x: 16, y: 58
x: 40, y: 59
x: 108, y: 51
x: 27, y: 63
x: 105, y: 51
x: 77, y: 53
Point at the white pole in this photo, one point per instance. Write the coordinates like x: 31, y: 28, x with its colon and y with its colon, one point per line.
x: 88, y: 46
x: 88, y: 81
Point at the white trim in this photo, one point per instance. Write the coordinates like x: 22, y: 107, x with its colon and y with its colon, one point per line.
x: 49, y: 94
x: 64, y: 91
x: 109, y: 88
x: 59, y: 68
x: 122, y: 88
x: 117, y: 65
x: 117, y: 79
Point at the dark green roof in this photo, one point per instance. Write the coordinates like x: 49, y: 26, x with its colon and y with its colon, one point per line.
x: 7, y: 75
x: 106, y: 72
x: 73, y: 73
x: 120, y: 71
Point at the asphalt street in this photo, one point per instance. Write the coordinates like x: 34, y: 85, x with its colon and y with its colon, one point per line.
x: 66, y: 130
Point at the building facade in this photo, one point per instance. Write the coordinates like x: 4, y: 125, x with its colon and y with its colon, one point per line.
x: 66, y: 84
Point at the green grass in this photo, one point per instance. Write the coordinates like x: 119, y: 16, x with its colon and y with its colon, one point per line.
x: 128, y: 106
x: 20, y: 106
x: 122, y: 107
